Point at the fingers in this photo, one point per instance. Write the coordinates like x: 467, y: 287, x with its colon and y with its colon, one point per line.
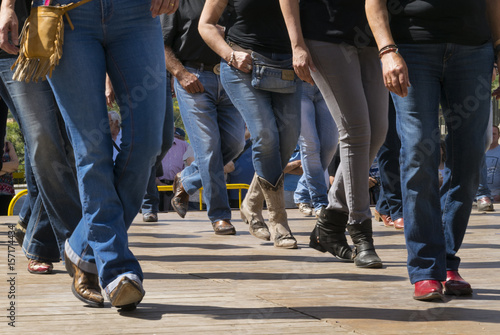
x: 5, y: 44
x: 396, y: 77
x: 163, y: 7
x: 304, y: 74
x: 242, y: 61
x: 193, y: 86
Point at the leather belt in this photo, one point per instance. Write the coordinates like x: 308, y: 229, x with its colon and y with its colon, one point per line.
x: 236, y: 47
x: 215, y: 68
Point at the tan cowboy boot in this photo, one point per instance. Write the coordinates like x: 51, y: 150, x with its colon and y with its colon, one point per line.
x: 251, y: 211
x: 278, y: 224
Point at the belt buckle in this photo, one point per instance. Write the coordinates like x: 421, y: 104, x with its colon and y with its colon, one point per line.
x: 217, y: 69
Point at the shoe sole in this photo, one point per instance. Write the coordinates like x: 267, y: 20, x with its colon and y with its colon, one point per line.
x: 128, y: 297
x: 374, y: 265
x: 226, y: 232
x: 316, y: 246
x: 430, y: 296
x: 46, y: 272
x: 465, y: 292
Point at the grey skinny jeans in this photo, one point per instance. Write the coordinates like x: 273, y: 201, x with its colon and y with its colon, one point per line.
x: 350, y: 80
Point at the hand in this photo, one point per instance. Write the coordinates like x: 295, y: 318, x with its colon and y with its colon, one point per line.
x: 109, y: 92
x: 190, y: 82
x: 9, y: 23
x: 163, y: 7
x: 172, y: 89
x: 395, y: 74
x: 372, y: 182
x: 303, y: 64
x: 242, y: 61
x: 496, y: 93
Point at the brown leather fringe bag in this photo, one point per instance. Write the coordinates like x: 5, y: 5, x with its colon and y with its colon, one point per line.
x: 42, y: 39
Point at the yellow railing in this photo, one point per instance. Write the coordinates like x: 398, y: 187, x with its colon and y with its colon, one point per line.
x: 162, y: 188
x: 165, y: 188
x: 10, y: 210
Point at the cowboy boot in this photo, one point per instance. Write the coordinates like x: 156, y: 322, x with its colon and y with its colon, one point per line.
x: 251, y: 211
x: 329, y: 234
x: 364, y: 254
x: 275, y: 199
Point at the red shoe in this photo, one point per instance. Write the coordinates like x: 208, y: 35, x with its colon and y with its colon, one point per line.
x: 456, y: 285
x: 38, y: 267
x: 427, y: 290
x: 385, y: 218
x: 399, y: 224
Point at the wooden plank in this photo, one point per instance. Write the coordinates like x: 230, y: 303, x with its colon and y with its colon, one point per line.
x: 199, y: 282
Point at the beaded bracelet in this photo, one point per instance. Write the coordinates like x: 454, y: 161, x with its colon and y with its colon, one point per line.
x: 387, y: 47
x: 386, y: 51
x: 231, y: 60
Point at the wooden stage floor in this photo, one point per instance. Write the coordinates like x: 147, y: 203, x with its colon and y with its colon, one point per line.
x: 200, y: 283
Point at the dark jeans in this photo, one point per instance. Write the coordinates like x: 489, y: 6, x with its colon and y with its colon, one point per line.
x: 390, y: 199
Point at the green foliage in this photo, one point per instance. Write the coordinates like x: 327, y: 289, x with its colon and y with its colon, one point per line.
x: 178, y: 119
x: 15, y: 136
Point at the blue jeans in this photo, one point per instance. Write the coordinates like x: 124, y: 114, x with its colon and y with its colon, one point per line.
x: 217, y: 134
x: 390, y: 201
x: 273, y: 119
x: 318, y: 143
x: 483, y: 190
x: 122, y: 39
x: 50, y: 156
x: 458, y: 77
x: 151, y: 201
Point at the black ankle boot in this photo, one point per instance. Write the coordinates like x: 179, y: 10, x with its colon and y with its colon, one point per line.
x: 364, y: 254
x: 329, y: 234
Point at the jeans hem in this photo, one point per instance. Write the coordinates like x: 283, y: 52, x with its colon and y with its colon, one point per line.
x: 83, y: 265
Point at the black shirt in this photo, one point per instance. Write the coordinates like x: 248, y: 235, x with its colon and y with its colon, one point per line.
x: 439, y: 21
x: 180, y: 32
x: 258, y: 25
x: 22, y: 10
x: 336, y: 21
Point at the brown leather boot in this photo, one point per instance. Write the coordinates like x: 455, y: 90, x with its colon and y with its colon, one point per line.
x: 180, y: 200
x: 85, y: 285
x: 251, y: 211
x: 127, y: 294
x: 223, y: 227
x: 278, y: 223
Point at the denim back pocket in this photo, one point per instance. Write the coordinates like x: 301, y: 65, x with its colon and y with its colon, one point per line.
x: 271, y: 75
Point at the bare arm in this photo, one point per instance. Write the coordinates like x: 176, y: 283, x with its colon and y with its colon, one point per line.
x: 302, y: 61
x: 493, y: 13
x: 294, y: 167
x: 9, y: 23
x: 163, y: 7
x: 14, y: 160
x: 394, y: 67
x: 188, y: 81
x: 207, y: 27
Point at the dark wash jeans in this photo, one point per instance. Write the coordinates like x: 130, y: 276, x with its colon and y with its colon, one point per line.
x: 459, y: 78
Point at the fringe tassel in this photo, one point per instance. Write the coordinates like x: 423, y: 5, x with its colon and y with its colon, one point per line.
x: 35, y: 68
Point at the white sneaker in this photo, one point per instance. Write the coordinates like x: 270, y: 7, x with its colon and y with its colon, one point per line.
x: 305, y: 209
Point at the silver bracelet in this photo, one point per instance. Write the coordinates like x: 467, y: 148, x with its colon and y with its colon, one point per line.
x: 231, y: 59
